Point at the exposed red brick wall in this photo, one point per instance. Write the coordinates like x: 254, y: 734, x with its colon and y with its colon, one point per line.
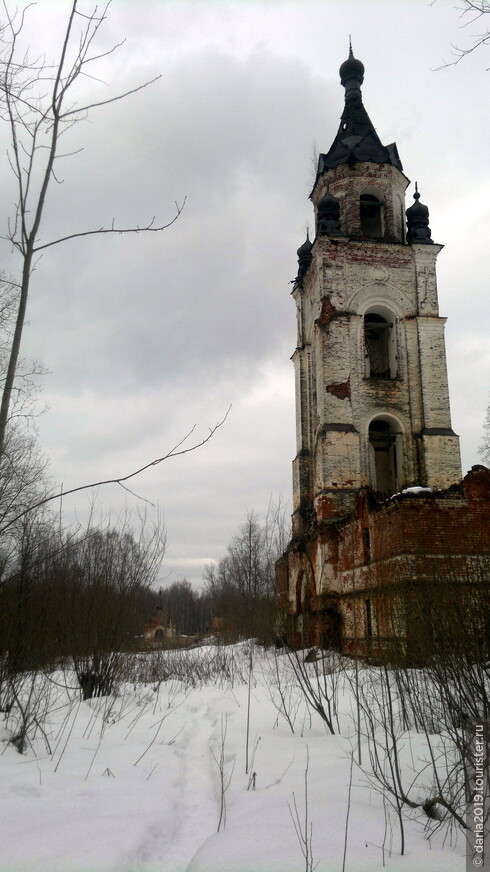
x: 476, y: 484
x: 440, y: 538
x: 327, y: 313
x: 341, y: 390
x: 424, y: 526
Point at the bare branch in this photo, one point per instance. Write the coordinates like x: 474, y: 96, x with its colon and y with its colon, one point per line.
x: 110, y: 99
x: 146, y: 229
x: 138, y: 496
x: 480, y: 8
x: 176, y: 451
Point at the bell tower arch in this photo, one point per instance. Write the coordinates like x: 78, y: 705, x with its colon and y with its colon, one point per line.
x: 372, y: 401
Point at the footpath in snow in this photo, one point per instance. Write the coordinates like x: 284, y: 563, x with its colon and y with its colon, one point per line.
x: 141, y: 781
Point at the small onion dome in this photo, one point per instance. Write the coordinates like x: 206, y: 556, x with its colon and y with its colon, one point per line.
x: 417, y: 211
x: 304, y: 258
x: 351, y: 69
x: 328, y: 203
x: 328, y: 216
x: 305, y: 249
x: 418, y: 229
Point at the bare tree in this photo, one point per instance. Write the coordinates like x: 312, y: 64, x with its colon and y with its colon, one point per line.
x: 241, y: 586
x: 39, y: 104
x: 187, y: 609
x: 24, y: 395
x: 101, y: 578
x: 23, y: 479
x: 77, y: 599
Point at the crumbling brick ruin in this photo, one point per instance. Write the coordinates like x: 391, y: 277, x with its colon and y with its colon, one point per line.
x: 379, y: 504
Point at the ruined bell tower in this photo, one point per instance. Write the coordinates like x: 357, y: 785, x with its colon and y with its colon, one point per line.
x: 387, y: 539
x: 372, y: 402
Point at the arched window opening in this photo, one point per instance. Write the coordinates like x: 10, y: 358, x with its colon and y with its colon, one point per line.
x: 377, y: 336
x: 380, y: 344
x: 303, y: 609
x: 385, y: 451
x: 330, y: 630
x: 302, y: 593
x: 371, y: 210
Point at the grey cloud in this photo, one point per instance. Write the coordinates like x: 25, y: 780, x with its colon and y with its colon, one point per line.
x: 211, y: 292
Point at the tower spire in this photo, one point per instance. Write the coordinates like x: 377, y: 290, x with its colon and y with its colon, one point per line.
x: 356, y: 138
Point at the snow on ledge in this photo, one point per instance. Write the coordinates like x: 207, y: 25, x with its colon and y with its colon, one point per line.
x: 417, y: 489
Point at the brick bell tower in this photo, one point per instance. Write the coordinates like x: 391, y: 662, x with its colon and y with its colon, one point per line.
x: 372, y: 402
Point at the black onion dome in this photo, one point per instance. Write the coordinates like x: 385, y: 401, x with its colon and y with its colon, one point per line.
x: 327, y: 202
x: 418, y: 211
x: 328, y: 215
x: 304, y: 258
x: 418, y: 229
x: 304, y: 250
x: 351, y: 69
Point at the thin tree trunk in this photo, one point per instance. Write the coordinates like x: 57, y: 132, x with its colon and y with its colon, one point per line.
x: 14, y: 352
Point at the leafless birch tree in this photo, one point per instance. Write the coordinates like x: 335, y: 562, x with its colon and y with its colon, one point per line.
x: 39, y: 103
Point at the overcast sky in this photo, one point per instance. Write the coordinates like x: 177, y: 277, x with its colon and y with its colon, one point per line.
x: 148, y: 336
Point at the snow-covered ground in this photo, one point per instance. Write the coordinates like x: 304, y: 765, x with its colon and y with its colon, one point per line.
x: 134, y: 782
